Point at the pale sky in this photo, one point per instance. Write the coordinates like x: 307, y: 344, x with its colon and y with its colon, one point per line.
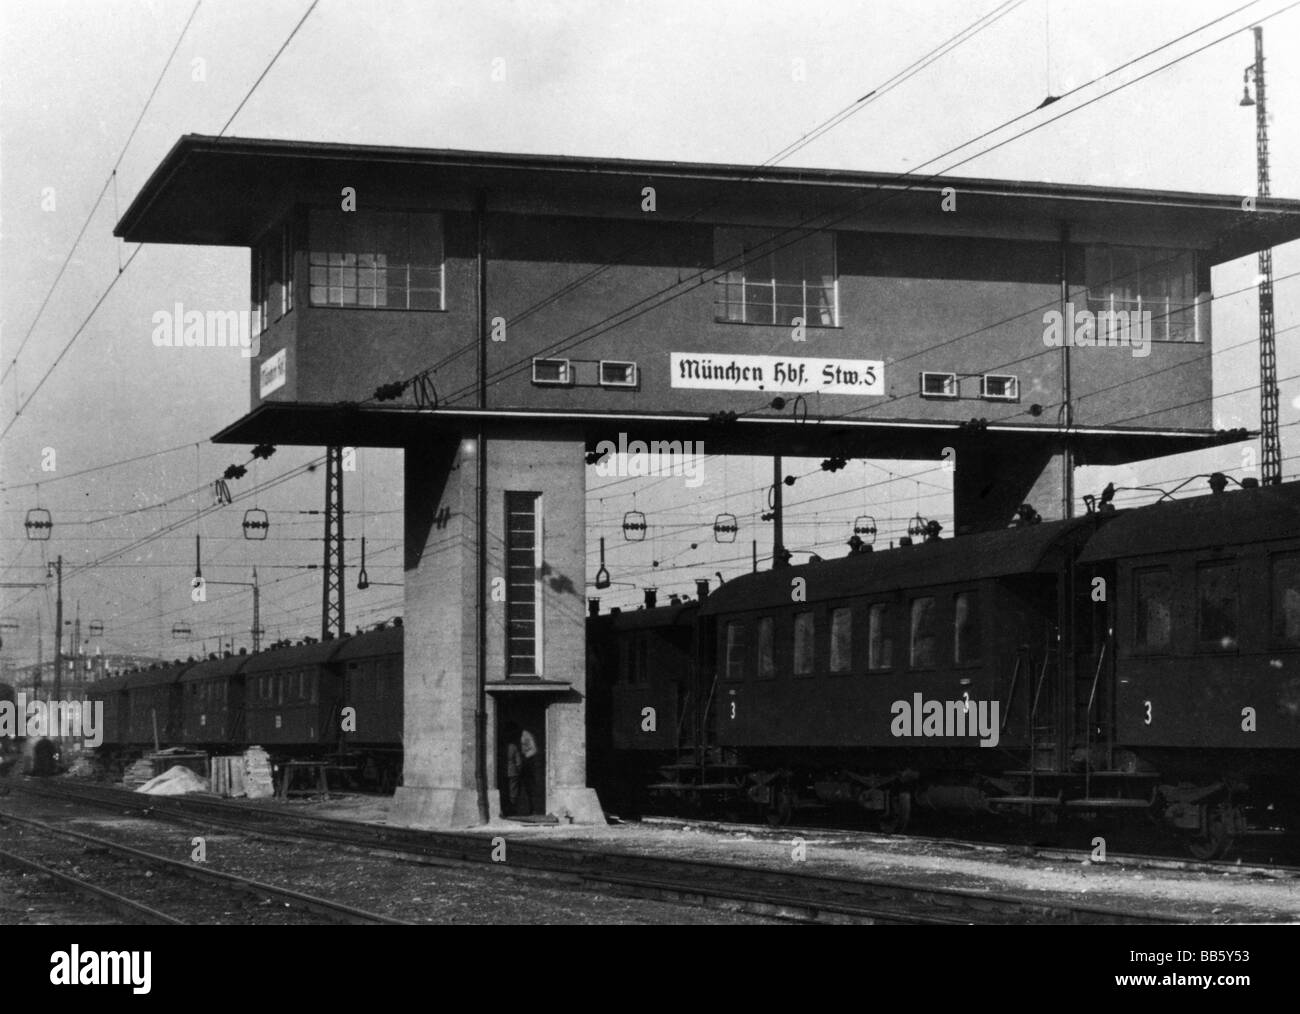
x: 725, y: 81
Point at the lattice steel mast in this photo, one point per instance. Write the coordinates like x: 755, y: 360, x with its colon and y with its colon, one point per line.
x: 332, y: 613
x: 1268, y: 393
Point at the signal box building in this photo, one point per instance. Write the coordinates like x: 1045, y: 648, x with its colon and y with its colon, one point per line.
x: 498, y: 316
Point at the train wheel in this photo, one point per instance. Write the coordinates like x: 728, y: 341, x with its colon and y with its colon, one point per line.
x: 781, y: 808
x: 896, y: 821
x: 1217, y: 838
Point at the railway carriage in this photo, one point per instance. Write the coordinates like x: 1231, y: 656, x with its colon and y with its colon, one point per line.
x: 370, y: 666
x: 112, y: 693
x: 212, y: 712
x: 880, y: 677
x: 641, y: 716
x: 154, y: 705
x: 1205, y: 667
x: 293, y: 697
x: 1143, y: 662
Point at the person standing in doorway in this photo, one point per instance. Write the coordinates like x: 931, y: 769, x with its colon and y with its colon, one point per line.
x: 531, y: 771
x: 516, y: 788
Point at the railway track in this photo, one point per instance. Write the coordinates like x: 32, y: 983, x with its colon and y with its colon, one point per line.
x: 81, y: 862
x: 785, y: 894
x: 849, y: 835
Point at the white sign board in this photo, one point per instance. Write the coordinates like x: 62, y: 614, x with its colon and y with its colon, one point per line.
x: 274, y: 371
x: 781, y: 374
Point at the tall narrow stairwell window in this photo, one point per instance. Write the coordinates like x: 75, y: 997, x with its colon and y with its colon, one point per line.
x: 523, y: 584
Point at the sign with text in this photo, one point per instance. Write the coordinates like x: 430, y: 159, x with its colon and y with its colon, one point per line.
x: 781, y: 374
x: 273, y: 373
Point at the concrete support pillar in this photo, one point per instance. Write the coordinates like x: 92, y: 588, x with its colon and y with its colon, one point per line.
x: 989, y: 486
x: 441, y: 631
x: 439, y: 788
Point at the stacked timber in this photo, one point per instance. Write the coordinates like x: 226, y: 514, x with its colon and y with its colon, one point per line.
x: 137, y: 774
x: 228, y: 776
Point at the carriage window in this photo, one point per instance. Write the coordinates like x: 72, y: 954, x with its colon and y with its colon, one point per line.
x: 766, y: 637
x: 1152, y: 594
x: 880, y: 639
x: 803, y: 644
x: 924, y: 639
x: 841, y: 639
x: 966, y: 628
x: 315, y: 692
x: 642, y: 663
x: 1216, y: 606
x: 302, y: 685
x: 735, y: 657
x: 1286, y: 599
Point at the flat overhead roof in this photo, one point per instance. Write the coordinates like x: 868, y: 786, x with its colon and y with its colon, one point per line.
x: 349, y: 424
x: 224, y: 191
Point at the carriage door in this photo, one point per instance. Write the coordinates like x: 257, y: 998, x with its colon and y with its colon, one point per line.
x: 1094, y: 618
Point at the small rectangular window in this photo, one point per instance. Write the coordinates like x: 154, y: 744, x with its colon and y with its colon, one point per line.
x: 965, y: 628
x: 999, y: 387
x: 1152, y: 598
x: 735, y: 653
x: 938, y: 385
x: 924, y: 633
x: 1216, y: 606
x: 1285, y: 581
x: 766, y: 648
x: 804, y: 644
x: 617, y: 374
x: 286, y: 271
x: 880, y: 637
x: 555, y: 372
x: 841, y: 639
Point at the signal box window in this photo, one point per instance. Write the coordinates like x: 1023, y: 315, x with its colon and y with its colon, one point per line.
x: 766, y: 639
x: 965, y: 628
x: 735, y: 656
x: 804, y: 629
x: 1216, y: 607
x: 1285, y: 581
x: 1128, y: 279
x: 880, y: 638
x: 387, y: 260
x: 841, y: 640
x: 775, y: 277
x: 1152, y: 597
x: 925, y: 639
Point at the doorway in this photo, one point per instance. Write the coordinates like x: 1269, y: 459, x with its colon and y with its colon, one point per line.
x: 521, y: 755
